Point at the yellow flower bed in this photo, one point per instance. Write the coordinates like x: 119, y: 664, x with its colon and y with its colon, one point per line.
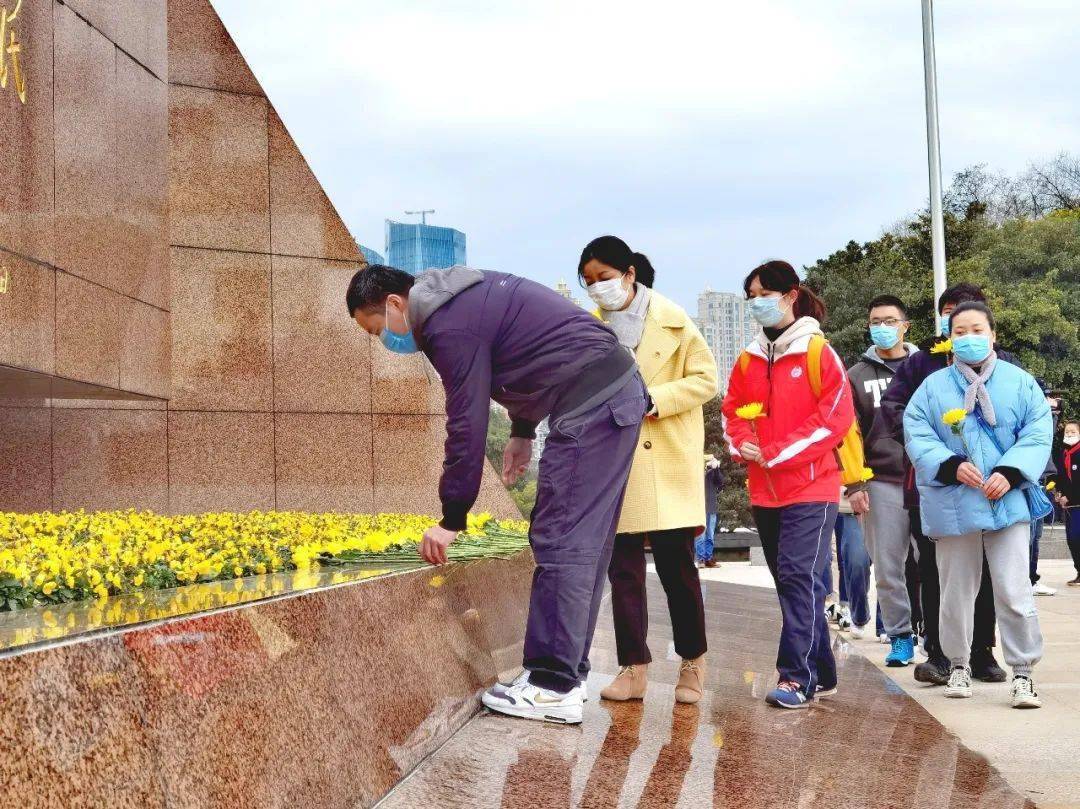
x: 49, y: 558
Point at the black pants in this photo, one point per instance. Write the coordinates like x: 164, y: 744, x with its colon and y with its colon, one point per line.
x: 985, y: 616
x: 673, y: 553
x: 913, y: 577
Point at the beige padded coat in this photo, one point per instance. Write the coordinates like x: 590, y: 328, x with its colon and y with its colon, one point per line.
x: 666, y: 488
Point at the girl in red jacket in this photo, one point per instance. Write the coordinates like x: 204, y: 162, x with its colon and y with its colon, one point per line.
x: 792, y: 468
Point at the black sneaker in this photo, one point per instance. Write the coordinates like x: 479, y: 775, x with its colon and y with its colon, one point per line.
x: 934, y: 671
x: 984, y: 667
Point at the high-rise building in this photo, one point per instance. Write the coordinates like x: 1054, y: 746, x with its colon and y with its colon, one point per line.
x: 563, y: 289
x: 417, y: 246
x: 370, y: 256
x: 725, y: 322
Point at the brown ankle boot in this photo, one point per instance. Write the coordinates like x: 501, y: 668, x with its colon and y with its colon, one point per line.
x: 691, y: 681
x: 631, y: 683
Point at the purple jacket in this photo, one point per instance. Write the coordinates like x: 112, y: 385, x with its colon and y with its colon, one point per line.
x: 491, y: 335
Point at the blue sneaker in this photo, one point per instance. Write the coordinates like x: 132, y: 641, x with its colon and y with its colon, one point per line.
x: 902, y: 654
x: 788, y: 695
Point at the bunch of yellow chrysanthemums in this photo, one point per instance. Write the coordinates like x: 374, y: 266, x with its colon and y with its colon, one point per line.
x: 54, y: 558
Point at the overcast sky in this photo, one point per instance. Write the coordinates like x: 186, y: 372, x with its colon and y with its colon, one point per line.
x: 708, y: 135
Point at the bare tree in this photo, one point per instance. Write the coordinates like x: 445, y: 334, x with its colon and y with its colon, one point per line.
x: 1044, y: 187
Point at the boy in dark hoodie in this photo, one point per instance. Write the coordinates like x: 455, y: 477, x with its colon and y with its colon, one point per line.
x: 887, y: 531
x: 495, y: 336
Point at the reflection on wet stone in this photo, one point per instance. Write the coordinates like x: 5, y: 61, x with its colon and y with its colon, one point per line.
x: 731, y: 750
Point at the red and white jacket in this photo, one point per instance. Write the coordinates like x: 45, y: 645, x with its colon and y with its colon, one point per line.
x: 799, y: 432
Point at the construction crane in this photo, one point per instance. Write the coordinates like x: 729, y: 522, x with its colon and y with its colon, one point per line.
x: 421, y: 214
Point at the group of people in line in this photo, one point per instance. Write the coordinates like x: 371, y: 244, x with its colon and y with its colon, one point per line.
x: 957, y: 441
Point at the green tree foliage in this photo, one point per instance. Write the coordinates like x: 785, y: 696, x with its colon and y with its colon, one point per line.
x: 523, y: 492
x: 1029, y: 268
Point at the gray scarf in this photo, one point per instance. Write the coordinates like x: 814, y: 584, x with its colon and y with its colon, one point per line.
x: 976, y: 390
x: 629, y: 324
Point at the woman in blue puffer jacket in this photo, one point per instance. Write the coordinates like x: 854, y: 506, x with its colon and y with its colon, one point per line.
x: 971, y: 479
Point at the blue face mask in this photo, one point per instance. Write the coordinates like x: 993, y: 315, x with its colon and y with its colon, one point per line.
x: 766, y: 311
x: 944, y: 325
x: 398, y: 343
x: 971, y: 348
x: 885, y: 337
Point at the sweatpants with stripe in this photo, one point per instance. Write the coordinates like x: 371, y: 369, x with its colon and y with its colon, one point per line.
x: 796, y: 540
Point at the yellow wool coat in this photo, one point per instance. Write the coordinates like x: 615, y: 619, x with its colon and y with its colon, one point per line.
x: 667, y: 481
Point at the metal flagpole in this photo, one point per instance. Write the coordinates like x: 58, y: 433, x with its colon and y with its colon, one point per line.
x: 933, y: 148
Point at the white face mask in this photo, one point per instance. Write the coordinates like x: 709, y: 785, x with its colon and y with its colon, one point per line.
x: 610, y: 295
x: 1071, y: 440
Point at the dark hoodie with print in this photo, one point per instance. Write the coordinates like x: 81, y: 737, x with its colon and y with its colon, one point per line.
x: 870, y: 377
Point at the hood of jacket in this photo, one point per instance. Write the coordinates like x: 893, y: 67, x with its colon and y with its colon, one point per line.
x: 794, y: 340
x: 871, y: 355
x: 433, y: 289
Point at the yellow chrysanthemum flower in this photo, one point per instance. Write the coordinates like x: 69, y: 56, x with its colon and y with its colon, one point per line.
x: 82, y: 555
x: 751, y: 411
x: 953, y: 417
x: 942, y: 347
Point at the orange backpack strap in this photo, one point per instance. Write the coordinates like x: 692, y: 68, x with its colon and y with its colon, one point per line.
x: 813, y: 362
x: 744, y: 362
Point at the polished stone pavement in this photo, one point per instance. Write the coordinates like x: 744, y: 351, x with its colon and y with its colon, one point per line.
x: 1038, y: 752
x: 872, y: 746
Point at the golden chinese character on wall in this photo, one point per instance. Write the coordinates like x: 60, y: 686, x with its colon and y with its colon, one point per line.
x: 10, y: 50
x: 5, y: 278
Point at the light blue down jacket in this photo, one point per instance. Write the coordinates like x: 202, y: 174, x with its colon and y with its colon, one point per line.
x: 1024, y: 430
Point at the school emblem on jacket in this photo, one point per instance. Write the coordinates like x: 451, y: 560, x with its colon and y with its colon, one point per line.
x: 796, y: 372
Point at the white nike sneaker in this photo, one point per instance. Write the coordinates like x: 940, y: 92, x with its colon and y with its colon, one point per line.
x: 959, y: 686
x: 529, y: 702
x: 1040, y: 589
x: 524, y: 678
x: 1024, y: 694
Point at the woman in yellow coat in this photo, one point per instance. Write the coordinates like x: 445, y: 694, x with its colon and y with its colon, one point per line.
x: 665, y: 498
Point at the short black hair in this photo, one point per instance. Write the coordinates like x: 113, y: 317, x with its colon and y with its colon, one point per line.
x: 973, y: 306
x: 370, y: 287
x: 888, y: 300
x: 958, y: 294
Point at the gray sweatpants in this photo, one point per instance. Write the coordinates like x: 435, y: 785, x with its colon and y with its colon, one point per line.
x: 960, y: 562
x: 888, y: 540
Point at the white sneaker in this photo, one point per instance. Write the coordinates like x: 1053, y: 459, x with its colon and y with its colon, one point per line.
x: 524, y: 678
x: 883, y: 638
x: 832, y: 612
x: 844, y: 622
x: 959, y: 686
x: 529, y: 702
x: 857, y: 632
x: 1024, y: 694
x: 1040, y: 589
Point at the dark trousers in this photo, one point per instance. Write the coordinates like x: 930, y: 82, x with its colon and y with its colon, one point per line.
x: 913, y: 578
x: 1072, y: 535
x: 985, y: 616
x: 1033, y: 555
x: 583, y: 474
x: 854, y: 564
x: 673, y: 554
x: 796, y: 541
